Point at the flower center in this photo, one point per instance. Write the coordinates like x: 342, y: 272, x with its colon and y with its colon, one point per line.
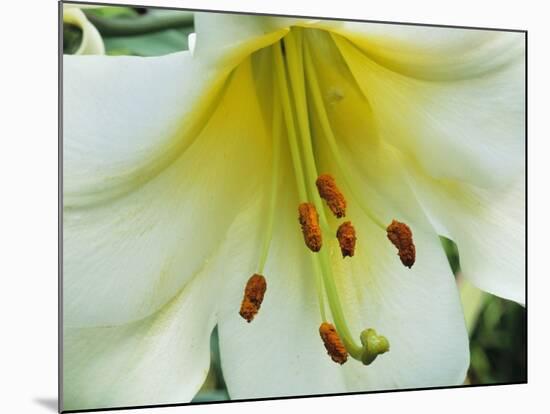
x: 295, y: 80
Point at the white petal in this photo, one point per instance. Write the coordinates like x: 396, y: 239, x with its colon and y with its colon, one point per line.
x: 489, y: 229
x: 92, y: 43
x: 281, y: 354
x: 471, y: 129
x: 433, y: 53
x: 164, y: 358
x: 149, y: 193
x: 124, y: 116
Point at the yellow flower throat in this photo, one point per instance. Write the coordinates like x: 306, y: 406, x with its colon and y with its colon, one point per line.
x: 293, y: 72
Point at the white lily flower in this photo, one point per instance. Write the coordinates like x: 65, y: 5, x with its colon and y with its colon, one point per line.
x: 92, y: 43
x: 183, y: 175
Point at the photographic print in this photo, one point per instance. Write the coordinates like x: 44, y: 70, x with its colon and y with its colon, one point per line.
x: 259, y: 207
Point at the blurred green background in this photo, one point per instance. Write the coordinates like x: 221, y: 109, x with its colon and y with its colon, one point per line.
x: 497, y: 327
x: 134, y: 31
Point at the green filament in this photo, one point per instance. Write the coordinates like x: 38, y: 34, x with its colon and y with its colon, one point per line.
x: 295, y: 155
x: 275, y: 167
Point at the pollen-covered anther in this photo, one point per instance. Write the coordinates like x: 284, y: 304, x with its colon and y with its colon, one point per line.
x: 334, y: 346
x: 401, y: 236
x: 331, y: 194
x: 309, y: 220
x: 253, y: 296
x: 346, y: 238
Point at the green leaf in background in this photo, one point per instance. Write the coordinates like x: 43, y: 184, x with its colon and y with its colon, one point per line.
x: 153, y: 44
x: 149, y: 32
x: 498, y: 346
x: 451, y: 251
x: 214, y: 388
x: 149, y: 21
x: 113, y: 12
x: 72, y: 38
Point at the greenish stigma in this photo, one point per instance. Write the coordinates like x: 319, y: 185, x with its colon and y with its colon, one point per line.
x: 292, y: 97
